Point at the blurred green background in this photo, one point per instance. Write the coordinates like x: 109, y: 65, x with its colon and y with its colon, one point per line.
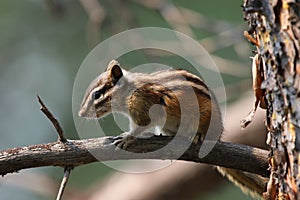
x: 43, y: 43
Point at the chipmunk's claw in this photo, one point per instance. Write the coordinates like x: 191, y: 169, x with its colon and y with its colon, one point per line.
x: 122, y: 141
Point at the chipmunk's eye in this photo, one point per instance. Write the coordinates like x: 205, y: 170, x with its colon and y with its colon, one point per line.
x: 97, y: 94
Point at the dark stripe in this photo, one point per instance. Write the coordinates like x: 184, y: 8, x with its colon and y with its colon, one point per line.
x: 101, y: 103
x: 201, y: 91
x: 197, y: 81
x: 197, y: 89
x: 191, y: 77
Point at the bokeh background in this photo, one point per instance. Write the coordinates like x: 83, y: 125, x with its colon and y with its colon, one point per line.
x: 43, y: 43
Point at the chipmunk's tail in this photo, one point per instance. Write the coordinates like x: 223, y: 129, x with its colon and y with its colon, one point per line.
x: 252, y: 184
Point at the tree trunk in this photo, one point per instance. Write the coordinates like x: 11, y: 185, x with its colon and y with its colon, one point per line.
x: 275, y: 30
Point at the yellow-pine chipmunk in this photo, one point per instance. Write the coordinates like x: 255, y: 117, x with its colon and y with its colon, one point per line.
x: 184, y: 99
x: 185, y: 102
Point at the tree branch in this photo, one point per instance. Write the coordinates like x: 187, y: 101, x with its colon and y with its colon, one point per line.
x: 64, y: 181
x: 77, y: 152
x: 53, y: 120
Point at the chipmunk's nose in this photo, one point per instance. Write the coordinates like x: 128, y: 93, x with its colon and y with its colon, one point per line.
x: 81, y: 113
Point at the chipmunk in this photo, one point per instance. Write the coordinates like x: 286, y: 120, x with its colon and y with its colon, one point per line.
x: 184, y: 101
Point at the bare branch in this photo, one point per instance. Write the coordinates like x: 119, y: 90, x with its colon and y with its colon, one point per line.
x: 64, y: 182
x: 78, y: 152
x: 54, y: 121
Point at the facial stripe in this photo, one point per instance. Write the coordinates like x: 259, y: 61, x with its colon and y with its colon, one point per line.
x: 102, y: 102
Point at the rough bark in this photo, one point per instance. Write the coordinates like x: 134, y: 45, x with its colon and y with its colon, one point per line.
x: 275, y: 30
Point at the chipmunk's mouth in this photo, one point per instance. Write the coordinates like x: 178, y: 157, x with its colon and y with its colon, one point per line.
x: 101, y: 113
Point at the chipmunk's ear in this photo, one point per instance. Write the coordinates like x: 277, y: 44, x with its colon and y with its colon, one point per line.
x: 111, y: 64
x: 115, y: 71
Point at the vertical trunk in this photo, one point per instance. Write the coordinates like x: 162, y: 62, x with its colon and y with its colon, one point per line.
x: 275, y: 30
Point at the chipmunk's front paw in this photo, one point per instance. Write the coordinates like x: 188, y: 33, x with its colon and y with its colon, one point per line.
x: 123, y: 141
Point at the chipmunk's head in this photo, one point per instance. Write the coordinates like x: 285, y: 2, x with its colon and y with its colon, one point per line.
x: 98, y: 97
